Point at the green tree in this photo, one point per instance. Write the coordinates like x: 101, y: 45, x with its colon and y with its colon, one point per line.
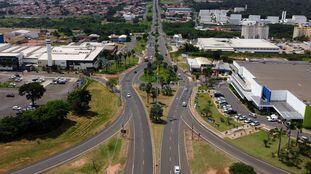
x: 79, y: 100
x: 241, y: 168
x: 32, y: 91
x: 148, y: 90
x: 156, y: 112
x: 308, y: 167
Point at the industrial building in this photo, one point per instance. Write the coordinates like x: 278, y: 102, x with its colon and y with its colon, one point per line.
x: 235, y: 19
x: 237, y: 45
x: 75, y: 56
x: 254, y: 30
x: 281, y: 85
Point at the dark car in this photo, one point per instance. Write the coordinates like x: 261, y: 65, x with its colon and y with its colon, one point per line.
x: 10, y: 95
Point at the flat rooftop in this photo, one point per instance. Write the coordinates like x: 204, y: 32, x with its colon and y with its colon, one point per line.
x: 282, y: 75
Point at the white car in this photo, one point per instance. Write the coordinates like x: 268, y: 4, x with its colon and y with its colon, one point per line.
x: 128, y: 95
x: 176, y: 169
x: 184, y: 104
x: 17, y: 108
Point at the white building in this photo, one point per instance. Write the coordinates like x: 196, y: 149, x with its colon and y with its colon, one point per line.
x: 281, y: 85
x: 237, y: 45
x: 272, y: 19
x: 254, y: 18
x: 254, y: 30
x: 25, y: 33
x: 299, y: 19
x: 213, y: 16
x: 235, y: 19
x: 74, y: 56
x: 238, y: 9
x: 198, y: 63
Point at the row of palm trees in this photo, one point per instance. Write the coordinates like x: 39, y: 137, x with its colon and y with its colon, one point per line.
x: 106, y: 59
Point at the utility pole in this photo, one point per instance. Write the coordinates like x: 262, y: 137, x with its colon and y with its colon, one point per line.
x: 192, y: 131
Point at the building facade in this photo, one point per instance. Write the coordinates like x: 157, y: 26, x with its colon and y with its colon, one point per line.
x: 254, y: 30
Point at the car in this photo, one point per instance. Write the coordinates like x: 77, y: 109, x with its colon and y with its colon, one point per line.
x: 255, y: 123
x: 243, y: 117
x: 184, y: 104
x: 271, y: 119
x: 135, y: 72
x: 18, y: 79
x: 252, y: 115
x: 16, y: 108
x: 10, y: 95
x: 248, y: 120
x: 237, y: 116
x: 176, y: 170
x: 128, y: 95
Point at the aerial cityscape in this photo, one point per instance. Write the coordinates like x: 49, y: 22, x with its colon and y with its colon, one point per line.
x: 155, y: 86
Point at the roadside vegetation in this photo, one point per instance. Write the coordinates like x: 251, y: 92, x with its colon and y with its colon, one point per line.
x: 141, y: 43
x: 109, y: 157
x: 116, y: 63
x: 209, y: 112
x: 292, y: 156
x: 188, y: 31
x: 204, y: 157
x: 55, y: 126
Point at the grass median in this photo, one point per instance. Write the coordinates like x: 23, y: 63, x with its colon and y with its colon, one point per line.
x: 105, y: 107
x: 109, y: 157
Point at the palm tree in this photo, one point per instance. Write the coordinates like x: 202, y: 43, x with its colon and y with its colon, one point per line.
x: 299, y: 130
x: 148, y: 90
x: 280, y: 132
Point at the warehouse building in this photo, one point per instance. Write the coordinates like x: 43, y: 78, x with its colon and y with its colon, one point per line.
x: 237, y: 45
x: 281, y: 85
x: 254, y: 30
x: 75, y: 56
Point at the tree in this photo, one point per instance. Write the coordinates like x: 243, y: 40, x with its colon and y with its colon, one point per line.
x: 241, y: 168
x: 32, y: 91
x: 207, y: 72
x: 308, y: 167
x: 156, y: 112
x: 148, y: 90
x: 79, y: 100
x: 111, y: 83
x: 167, y: 90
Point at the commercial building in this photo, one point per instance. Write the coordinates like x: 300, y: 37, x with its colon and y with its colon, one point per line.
x: 254, y: 18
x: 281, y: 85
x: 75, y: 56
x: 237, y: 45
x: 272, y: 19
x: 254, y: 30
x: 198, y: 63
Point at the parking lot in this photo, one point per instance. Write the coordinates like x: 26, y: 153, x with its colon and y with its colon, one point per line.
x: 238, y: 106
x: 53, y: 91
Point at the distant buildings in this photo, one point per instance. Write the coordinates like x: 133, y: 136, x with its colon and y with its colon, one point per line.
x: 213, y: 16
x: 25, y: 33
x: 237, y: 45
x: 254, y: 30
x: 181, y: 14
x: 300, y: 31
x: 117, y: 38
x: 235, y: 19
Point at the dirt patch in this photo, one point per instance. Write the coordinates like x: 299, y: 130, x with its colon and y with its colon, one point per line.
x: 113, y: 169
x: 78, y: 163
x: 189, y: 146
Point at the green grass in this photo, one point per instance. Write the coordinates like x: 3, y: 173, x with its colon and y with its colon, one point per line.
x: 96, y: 160
x: 104, y: 108
x: 140, y: 45
x: 253, y: 145
x: 202, y: 101
x: 5, y: 85
x: 207, y: 157
x: 125, y: 64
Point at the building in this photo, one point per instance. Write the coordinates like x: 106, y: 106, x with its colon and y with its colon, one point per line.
x: 75, y: 56
x: 117, y: 38
x: 254, y: 30
x: 281, y: 85
x: 179, y: 10
x: 235, y: 19
x: 213, y: 16
x: 300, y: 31
x: 299, y: 19
x: 198, y: 63
x: 237, y: 45
x: 272, y: 19
x: 26, y: 33
x: 254, y: 18
x: 238, y: 9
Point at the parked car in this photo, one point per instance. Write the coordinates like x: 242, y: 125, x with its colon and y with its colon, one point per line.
x: 184, y: 104
x: 252, y: 115
x: 248, y: 120
x: 243, y: 117
x: 255, y: 123
x: 237, y: 116
x: 16, y: 108
x: 10, y: 95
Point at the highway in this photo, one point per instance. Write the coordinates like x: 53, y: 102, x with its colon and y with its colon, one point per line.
x: 173, y: 150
